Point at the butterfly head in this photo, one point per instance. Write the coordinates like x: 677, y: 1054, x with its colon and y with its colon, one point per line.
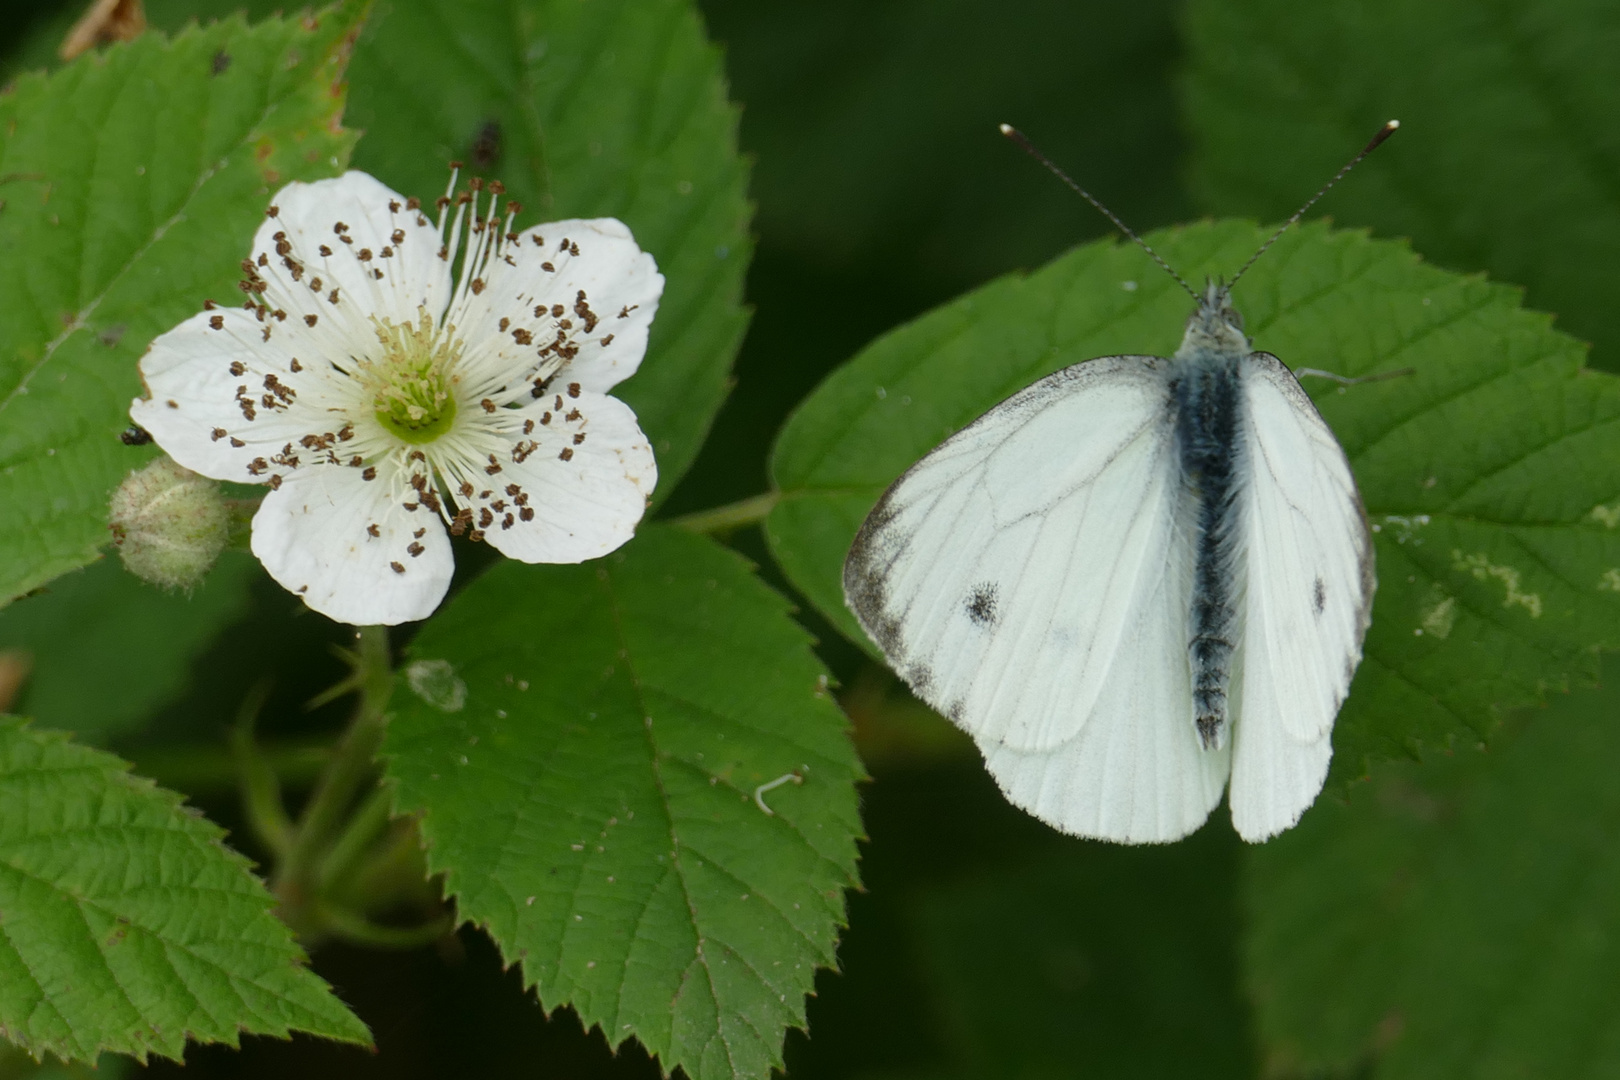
x: 1215, y: 326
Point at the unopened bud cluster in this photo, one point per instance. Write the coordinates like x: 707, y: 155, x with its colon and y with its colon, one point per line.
x: 169, y: 523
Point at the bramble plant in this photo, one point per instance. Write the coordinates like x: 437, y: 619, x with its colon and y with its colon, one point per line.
x: 380, y: 576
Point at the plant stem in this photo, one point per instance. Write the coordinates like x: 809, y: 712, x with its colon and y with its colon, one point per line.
x: 363, y: 828
x: 728, y: 518
x: 201, y: 769
x: 352, y: 926
x: 350, y: 767
x: 261, y: 788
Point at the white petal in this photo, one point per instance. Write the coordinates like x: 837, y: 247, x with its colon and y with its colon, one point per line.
x: 312, y: 536
x: 587, y: 496
x: 607, y: 332
x: 196, y: 405
x: 303, y: 281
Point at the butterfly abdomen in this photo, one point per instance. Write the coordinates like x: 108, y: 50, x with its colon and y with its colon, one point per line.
x: 1207, y: 397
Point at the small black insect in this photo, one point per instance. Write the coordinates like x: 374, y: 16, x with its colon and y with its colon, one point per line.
x: 486, y: 145
x: 135, y: 435
x: 222, y: 60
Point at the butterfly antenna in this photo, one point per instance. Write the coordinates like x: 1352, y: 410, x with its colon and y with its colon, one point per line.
x: 1383, y: 133
x: 1029, y: 148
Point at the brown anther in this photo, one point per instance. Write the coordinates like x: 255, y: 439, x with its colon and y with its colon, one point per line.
x: 218, y: 434
x: 415, y: 549
x: 275, y: 483
x: 548, y: 268
x: 237, y: 443
x: 488, y: 405
x: 527, y: 513
x: 370, y: 473
x: 528, y: 427
x: 393, y: 206
x: 295, y: 365
x: 238, y: 368
x: 413, y: 203
x: 398, y: 568
x: 477, y: 286
x: 324, y: 250
x: 579, y: 437
x: 505, y: 322
x: 372, y: 530
x: 556, y: 311
x: 573, y: 389
x: 365, y: 254
x: 567, y: 453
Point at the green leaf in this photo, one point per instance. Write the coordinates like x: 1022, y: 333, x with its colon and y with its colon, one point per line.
x: 132, y: 180
x: 589, y: 792
x: 125, y: 925
x: 1509, y: 157
x: 615, y: 108
x: 108, y: 650
x: 1491, y: 476
x: 1461, y: 918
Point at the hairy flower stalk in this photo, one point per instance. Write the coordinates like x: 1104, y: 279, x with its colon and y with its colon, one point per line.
x: 389, y: 403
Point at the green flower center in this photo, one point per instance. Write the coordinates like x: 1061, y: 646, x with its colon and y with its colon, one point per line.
x: 412, y: 380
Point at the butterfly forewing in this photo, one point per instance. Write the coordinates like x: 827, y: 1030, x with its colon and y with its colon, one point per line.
x: 1031, y: 575
x: 1310, y: 586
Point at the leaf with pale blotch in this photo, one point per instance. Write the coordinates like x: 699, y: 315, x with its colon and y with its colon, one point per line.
x: 132, y: 181
x: 595, y: 799
x: 1491, y: 475
x: 126, y: 926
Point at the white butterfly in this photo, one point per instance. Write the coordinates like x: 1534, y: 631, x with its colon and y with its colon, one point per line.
x: 1130, y: 582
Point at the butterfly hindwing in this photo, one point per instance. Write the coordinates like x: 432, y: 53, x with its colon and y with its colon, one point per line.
x: 1309, y: 600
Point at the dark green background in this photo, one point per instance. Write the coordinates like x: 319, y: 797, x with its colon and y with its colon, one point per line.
x: 984, y: 944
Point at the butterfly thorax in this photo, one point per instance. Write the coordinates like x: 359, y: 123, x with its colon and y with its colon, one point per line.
x: 1207, y: 398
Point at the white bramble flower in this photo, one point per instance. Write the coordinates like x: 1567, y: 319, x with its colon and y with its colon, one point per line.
x: 388, y: 403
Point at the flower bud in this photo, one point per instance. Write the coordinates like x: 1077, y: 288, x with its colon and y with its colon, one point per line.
x: 169, y: 523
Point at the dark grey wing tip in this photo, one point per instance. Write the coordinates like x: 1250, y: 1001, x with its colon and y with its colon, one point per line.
x: 865, y: 591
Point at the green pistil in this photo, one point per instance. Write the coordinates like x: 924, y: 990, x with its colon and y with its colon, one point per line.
x: 415, y: 423
x: 412, y: 383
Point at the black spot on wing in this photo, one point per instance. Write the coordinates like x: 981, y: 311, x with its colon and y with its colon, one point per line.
x: 981, y: 604
x: 1319, y: 597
